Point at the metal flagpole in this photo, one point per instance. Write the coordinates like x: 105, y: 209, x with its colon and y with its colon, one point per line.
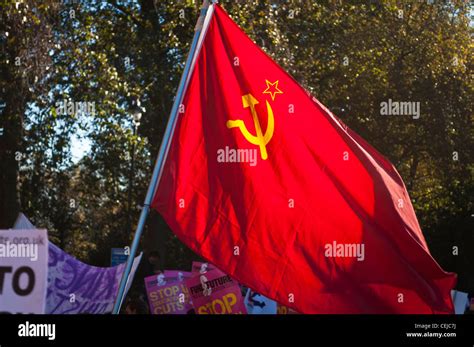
x: 199, y: 32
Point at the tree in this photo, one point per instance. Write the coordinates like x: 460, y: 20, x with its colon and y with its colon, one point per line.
x: 352, y: 56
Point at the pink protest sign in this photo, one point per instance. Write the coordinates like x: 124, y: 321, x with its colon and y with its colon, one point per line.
x: 176, y: 275
x: 201, y: 267
x: 285, y: 310
x: 213, y: 292
x: 167, y: 293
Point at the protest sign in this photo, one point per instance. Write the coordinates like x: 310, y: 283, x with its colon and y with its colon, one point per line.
x: 281, y: 309
x: 256, y: 303
x: 23, y: 270
x: 460, y: 301
x: 167, y: 293
x: 214, y: 292
x: 118, y: 256
x: 176, y: 275
x: 200, y: 267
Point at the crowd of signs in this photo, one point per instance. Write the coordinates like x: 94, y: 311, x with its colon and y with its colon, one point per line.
x: 57, y: 283
x: 208, y: 290
x: 205, y: 290
x: 54, y: 282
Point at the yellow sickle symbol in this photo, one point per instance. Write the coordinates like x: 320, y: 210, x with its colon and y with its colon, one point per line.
x: 259, y: 139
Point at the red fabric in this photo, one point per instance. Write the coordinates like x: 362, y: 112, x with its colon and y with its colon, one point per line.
x: 214, y: 207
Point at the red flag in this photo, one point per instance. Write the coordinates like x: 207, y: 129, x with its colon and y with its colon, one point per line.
x: 263, y: 181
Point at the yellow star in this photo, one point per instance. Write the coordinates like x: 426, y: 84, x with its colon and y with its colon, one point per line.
x: 274, y: 87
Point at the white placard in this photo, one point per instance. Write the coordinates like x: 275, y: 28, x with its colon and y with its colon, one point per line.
x: 23, y: 270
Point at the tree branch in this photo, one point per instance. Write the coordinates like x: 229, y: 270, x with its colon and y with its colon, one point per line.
x: 126, y: 12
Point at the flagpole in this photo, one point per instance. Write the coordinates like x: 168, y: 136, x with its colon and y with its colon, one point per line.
x: 201, y: 27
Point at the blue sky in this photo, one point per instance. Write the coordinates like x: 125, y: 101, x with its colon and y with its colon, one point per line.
x: 79, y: 147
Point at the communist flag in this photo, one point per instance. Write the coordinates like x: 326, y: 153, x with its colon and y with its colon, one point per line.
x: 266, y: 183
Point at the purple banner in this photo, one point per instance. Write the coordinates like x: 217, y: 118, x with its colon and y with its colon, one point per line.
x: 75, y: 287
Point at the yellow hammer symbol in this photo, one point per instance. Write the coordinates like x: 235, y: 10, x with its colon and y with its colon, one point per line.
x: 259, y: 139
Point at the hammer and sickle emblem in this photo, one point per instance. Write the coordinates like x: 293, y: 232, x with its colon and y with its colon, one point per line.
x: 260, y: 139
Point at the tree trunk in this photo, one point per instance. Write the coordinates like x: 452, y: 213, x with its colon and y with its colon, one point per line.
x: 10, y: 144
